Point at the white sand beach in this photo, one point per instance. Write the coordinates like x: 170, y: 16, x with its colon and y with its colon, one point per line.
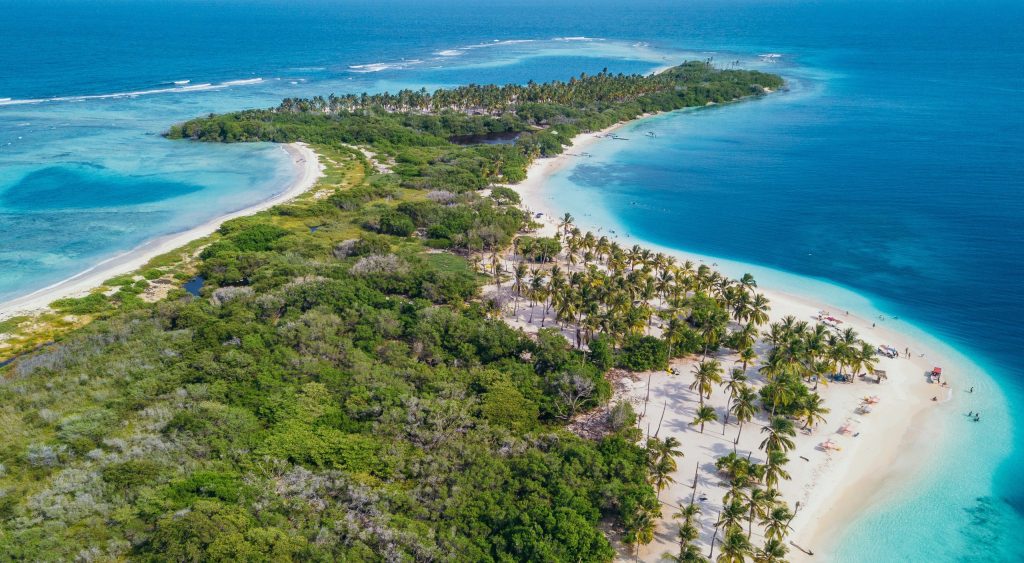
x: 307, y: 172
x: 879, y: 454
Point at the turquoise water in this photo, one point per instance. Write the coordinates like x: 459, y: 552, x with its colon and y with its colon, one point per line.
x: 888, y: 179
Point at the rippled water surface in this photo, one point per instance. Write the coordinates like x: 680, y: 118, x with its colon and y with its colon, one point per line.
x: 891, y: 167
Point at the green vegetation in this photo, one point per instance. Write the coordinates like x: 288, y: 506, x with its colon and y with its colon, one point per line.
x: 611, y: 298
x: 331, y: 397
x: 92, y: 303
x: 413, y: 128
x: 345, y: 394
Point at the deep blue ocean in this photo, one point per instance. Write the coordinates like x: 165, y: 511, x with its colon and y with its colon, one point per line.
x: 890, y: 175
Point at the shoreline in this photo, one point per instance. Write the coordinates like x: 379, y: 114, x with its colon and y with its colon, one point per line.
x: 308, y: 171
x: 835, y: 492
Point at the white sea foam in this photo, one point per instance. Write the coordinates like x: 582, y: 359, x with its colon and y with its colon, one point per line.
x: 181, y: 82
x: 372, y: 67
x: 243, y: 82
x: 498, y: 43
x: 450, y: 53
x: 377, y: 67
x: 576, y: 38
x: 187, y: 87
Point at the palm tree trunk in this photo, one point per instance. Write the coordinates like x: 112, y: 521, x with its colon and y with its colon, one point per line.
x: 647, y: 397
x: 711, y: 553
x: 663, y: 407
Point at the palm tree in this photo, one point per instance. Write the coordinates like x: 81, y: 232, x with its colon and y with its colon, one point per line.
x: 773, y: 551
x: 735, y: 547
x: 776, y: 522
x: 667, y: 449
x: 564, y: 223
x: 737, y: 492
x: 688, y: 513
x: 735, y: 384
x: 641, y: 530
x: 519, y: 280
x: 866, y: 357
x: 538, y: 290
x: 705, y: 414
x: 748, y: 283
x: 780, y: 432
x: 705, y: 374
x: 759, y: 502
x: 820, y: 370
x: 688, y: 532
x: 747, y: 355
x: 774, y: 469
x: 711, y: 333
x: 781, y: 392
x: 813, y: 410
x: 496, y: 268
x: 674, y: 333
x: 758, y: 309
x: 745, y: 337
x: 661, y: 474
x: 690, y: 553
x: 744, y: 408
x: 732, y: 516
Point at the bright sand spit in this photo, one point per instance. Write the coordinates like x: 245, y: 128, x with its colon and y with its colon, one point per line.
x: 307, y: 171
x: 901, y: 433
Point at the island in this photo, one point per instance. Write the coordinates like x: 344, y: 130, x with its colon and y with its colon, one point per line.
x: 403, y: 363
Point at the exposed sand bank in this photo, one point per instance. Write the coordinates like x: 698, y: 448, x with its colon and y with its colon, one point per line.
x: 833, y: 487
x: 307, y: 171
